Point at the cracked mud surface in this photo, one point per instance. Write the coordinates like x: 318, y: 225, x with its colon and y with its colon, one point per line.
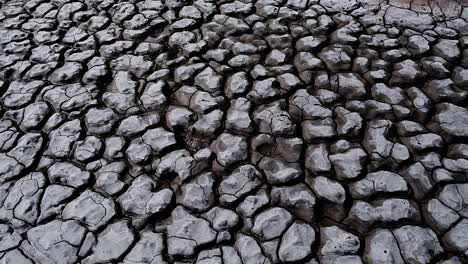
x: 234, y: 132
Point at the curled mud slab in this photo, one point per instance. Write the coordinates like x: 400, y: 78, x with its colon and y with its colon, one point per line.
x: 234, y: 132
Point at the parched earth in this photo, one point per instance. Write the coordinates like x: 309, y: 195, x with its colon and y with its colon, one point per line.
x: 234, y: 132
